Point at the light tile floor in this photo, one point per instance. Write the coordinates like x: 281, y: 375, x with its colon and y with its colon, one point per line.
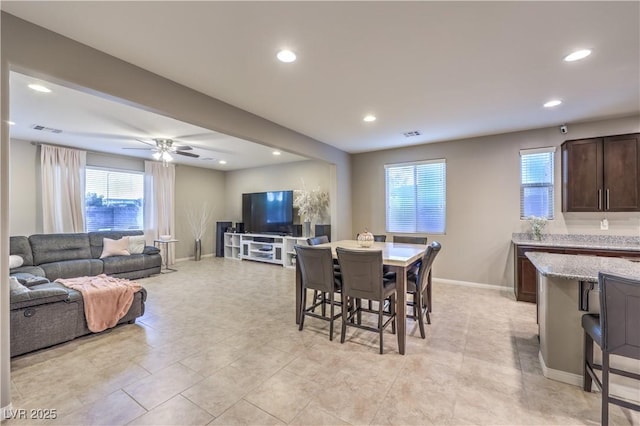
x: 218, y: 345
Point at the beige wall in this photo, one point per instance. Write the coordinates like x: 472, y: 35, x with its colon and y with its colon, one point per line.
x: 24, y: 215
x: 196, y: 187
x: 291, y: 176
x: 483, y: 204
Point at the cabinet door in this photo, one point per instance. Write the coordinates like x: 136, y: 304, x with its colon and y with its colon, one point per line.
x: 582, y: 179
x: 621, y: 155
x: 526, y: 273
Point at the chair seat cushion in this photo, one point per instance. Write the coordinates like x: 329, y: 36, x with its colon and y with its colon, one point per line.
x: 591, y: 325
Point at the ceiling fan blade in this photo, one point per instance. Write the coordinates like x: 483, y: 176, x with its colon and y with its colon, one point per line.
x: 143, y: 149
x: 183, y: 148
x: 148, y: 142
x: 187, y: 154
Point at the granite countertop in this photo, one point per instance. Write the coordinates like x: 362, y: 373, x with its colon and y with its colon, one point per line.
x: 581, y: 268
x: 596, y: 242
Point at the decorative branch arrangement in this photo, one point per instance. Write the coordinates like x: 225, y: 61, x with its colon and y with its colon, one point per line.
x: 311, y: 204
x: 198, y: 219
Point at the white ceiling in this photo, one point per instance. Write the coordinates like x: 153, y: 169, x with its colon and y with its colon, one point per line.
x: 96, y: 124
x: 447, y: 69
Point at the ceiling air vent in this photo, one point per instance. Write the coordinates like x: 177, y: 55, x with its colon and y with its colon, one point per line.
x: 411, y: 134
x: 45, y: 128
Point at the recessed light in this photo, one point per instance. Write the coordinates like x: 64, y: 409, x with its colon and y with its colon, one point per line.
x: 286, y: 56
x: 369, y: 118
x: 11, y: 123
x: 222, y: 162
x: 577, y: 55
x: 552, y: 103
x: 39, y: 88
x: 276, y: 153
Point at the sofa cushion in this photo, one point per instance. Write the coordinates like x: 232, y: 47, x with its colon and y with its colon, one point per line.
x: 120, y: 264
x: 96, y: 239
x: 31, y: 270
x: 48, y: 248
x: 115, y: 247
x: 15, y: 261
x: 151, y: 250
x: 29, y: 280
x: 23, y: 297
x: 73, y: 268
x: 20, y: 246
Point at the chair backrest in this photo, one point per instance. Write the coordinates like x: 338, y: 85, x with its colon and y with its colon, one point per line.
x: 426, y: 263
x: 409, y: 240
x: 620, y: 314
x: 361, y: 273
x: 381, y: 238
x: 316, y: 267
x: 314, y: 241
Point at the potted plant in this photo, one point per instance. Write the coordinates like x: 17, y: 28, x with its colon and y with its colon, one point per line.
x: 311, y: 205
x: 537, y: 226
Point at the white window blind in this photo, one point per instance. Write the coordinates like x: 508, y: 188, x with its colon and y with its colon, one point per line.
x: 416, y: 197
x: 114, y: 199
x: 536, y: 183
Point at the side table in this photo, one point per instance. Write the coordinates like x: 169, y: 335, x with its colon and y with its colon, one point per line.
x: 165, y: 260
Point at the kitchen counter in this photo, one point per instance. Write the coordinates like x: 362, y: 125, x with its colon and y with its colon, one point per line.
x: 581, y: 268
x: 595, y: 242
x: 565, y: 292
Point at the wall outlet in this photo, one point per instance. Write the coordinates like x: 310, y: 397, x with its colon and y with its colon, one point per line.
x: 604, y: 225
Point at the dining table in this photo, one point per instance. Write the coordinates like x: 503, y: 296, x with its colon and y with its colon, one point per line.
x: 398, y: 257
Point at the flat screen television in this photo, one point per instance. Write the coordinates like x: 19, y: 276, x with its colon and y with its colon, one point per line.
x: 268, y: 212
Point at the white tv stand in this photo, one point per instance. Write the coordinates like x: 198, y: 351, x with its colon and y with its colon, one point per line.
x: 262, y: 248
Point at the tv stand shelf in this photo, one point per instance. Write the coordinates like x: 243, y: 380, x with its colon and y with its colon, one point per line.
x: 262, y: 248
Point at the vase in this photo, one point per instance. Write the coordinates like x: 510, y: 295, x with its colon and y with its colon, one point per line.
x: 307, y: 229
x: 198, y: 250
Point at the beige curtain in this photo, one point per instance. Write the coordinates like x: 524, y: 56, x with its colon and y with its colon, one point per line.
x: 63, y: 177
x: 159, y: 209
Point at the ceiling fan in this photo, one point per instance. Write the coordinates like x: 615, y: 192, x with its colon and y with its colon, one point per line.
x: 164, y: 148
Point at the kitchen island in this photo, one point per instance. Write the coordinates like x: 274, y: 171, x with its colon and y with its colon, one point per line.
x: 568, y: 289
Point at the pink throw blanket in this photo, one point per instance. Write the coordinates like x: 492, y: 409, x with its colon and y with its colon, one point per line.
x: 106, y: 299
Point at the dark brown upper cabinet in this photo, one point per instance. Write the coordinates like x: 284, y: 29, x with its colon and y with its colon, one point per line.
x: 601, y: 174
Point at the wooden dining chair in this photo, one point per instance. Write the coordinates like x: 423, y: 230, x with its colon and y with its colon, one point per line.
x: 362, y: 279
x: 317, y: 273
x: 419, y: 286
x: 616, y: 330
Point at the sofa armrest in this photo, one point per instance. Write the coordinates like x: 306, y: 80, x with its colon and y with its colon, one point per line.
x: 151, y: 250
x: 23, y: 297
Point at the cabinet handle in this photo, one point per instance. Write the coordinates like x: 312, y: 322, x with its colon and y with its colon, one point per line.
x: 599, y: 199
x: 607, y: 198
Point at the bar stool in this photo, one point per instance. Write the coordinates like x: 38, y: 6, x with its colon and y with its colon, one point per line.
x: 617, y: 331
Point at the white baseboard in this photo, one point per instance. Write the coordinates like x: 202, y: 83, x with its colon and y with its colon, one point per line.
x: 183, y: 259
x: 471, y: 284
x: 559, y: 375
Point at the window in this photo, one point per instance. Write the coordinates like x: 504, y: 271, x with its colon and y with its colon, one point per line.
x: 114, y: 199
x: 536, y: 182
x: 416, y: 197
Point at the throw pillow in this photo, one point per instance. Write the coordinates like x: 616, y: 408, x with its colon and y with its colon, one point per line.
x: 15, y: 261
x: 136, y: 244
x: 115, y: 247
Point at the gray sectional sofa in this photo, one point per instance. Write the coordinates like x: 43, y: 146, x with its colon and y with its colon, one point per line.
x: 45, y: 313
x: 75, y: 255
